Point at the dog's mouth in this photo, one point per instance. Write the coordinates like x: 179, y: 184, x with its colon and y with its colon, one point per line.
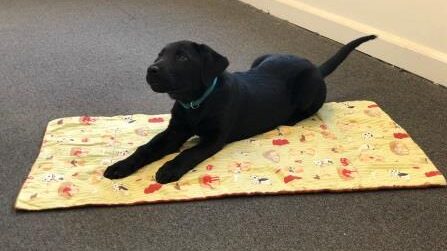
x: 158, y: 86
x: 161, y: 88
x: 155, y: 84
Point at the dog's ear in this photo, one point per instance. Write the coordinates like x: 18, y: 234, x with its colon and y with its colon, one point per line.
x: 213, y: 64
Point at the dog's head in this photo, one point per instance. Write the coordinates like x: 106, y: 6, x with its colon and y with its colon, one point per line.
x: 184, y: 69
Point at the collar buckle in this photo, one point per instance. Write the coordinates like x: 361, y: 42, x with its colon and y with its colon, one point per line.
x: 194, y: 106
x: 196, y: 103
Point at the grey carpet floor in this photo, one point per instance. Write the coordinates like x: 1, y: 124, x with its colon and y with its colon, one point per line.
x: 68, y: 58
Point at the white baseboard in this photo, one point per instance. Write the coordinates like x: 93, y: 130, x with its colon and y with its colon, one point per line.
x: 413, y: 57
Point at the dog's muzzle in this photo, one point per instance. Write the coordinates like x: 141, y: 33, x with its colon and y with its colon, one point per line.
x: 153, y: 78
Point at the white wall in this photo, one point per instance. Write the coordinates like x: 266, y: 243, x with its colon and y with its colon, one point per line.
x: 412, y: 33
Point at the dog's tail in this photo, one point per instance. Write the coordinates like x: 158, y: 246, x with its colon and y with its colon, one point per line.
x: 330, y: 65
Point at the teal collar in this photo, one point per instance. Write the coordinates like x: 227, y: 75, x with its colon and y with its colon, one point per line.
x: 196, y: 103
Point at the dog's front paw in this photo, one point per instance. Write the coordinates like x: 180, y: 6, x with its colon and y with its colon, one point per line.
x: 119, y: 170
x: 167, y: 174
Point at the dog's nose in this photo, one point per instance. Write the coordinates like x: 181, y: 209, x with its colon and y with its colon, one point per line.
x: 153, y: 69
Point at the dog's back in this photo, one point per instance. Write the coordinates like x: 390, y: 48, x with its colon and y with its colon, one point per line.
x: 282, y: 90
x: 269, y: 94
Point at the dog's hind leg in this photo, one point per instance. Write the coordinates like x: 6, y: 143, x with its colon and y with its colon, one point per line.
x: 299, y: 115
x: 309, y: 95
x: 259, y: 60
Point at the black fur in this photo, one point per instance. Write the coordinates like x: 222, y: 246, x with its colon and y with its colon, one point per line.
x: 277, y: 90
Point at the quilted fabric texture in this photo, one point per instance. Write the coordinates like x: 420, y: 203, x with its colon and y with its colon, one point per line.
x: 344, y: 147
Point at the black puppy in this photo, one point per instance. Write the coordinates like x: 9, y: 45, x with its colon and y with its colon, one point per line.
x: 222, y: 107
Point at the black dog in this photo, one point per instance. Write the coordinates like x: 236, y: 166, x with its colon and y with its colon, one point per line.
x: 223, y: 107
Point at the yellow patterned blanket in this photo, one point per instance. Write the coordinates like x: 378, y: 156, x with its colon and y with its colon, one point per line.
x: 345, y: 146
